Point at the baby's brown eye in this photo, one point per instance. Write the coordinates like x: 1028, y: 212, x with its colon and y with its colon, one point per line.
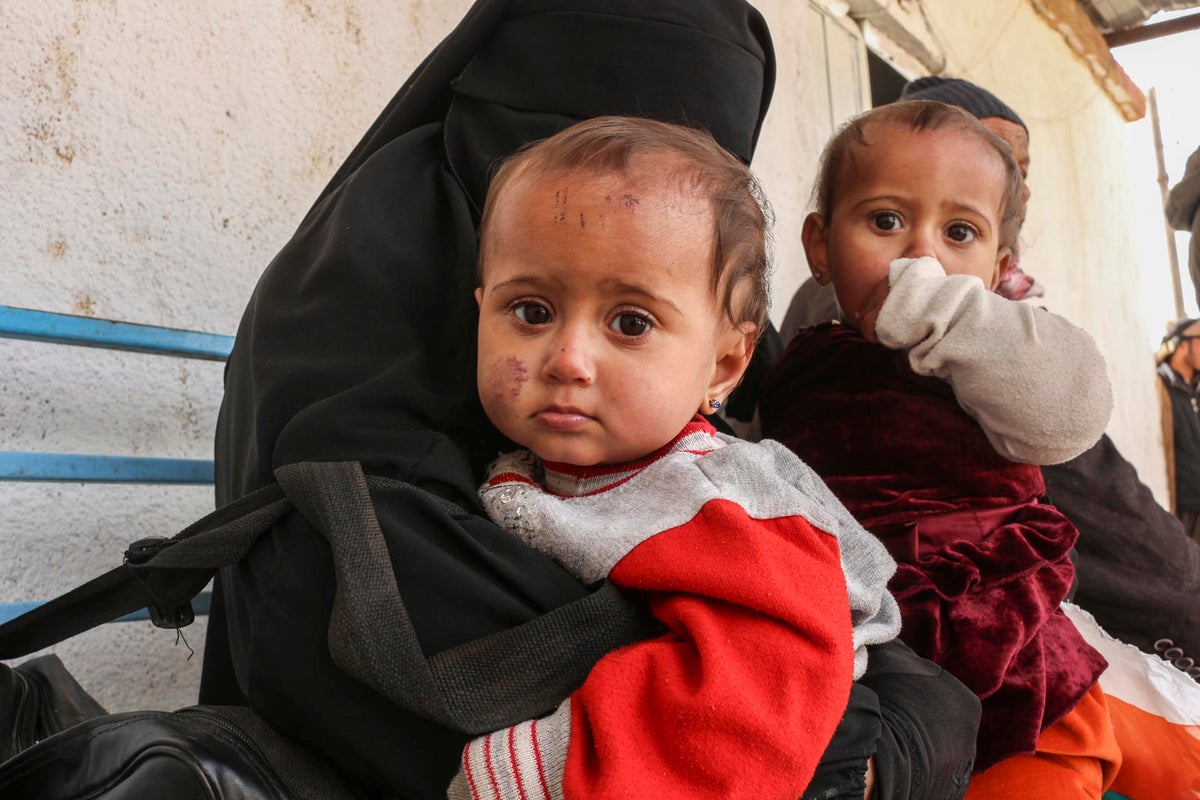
x: 532, y: 313
x: 961, y: 233
x: 886, y: 221
x: 630, y: 324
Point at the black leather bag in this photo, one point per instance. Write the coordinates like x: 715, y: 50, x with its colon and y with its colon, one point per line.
x: 196, y: 753
x: 37, y: 700
x: 58, y: 743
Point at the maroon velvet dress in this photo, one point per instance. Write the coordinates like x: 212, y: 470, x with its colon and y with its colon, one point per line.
x: 983, y: 565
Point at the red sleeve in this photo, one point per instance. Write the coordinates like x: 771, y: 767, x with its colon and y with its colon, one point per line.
x: 741, y: 697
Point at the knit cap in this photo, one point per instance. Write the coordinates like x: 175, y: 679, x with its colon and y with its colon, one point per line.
x: 956, y: 92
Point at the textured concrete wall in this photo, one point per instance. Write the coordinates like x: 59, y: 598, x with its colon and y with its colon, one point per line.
x: 154, y: 156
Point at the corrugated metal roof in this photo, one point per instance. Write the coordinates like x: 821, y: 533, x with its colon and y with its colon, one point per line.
x: 1110, y: 15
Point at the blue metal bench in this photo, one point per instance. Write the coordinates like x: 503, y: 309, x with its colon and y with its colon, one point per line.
x: 66, y: 329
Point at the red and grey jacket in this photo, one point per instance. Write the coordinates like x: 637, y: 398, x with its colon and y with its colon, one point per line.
x: 766, y: 588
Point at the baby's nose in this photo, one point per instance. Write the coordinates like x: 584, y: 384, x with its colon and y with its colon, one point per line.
x: 569, y: 361
x: 921, y: 245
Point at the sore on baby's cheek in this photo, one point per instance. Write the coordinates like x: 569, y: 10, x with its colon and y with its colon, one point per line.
x: 506, y: 377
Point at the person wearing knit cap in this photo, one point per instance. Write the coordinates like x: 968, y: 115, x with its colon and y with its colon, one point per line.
x: 1178, y: 369
x: 981, y: 103
x: 995, y: 115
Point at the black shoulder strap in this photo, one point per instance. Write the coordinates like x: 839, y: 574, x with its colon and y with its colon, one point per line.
x: 479, y: 686
x: 192, y: 557
x: 476, y: 687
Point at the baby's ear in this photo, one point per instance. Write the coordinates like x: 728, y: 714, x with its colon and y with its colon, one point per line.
x: 1002, y: 261
x: 816, y: 247
x: 479, y: 296
x: 734, y: 351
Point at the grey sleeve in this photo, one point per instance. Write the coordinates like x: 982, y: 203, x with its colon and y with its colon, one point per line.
x: 1037, y: 384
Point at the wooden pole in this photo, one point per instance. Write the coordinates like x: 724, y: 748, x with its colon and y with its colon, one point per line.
x: 1172, y: 255
x: 1144, y: 33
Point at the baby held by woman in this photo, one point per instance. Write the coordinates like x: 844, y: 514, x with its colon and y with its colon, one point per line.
x: 622, y: 289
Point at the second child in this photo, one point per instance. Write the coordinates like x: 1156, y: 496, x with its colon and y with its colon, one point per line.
x: 927, y: 414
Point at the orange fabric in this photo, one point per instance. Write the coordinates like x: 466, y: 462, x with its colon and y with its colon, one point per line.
x: 1078, y: 756
x: 1162, y: 759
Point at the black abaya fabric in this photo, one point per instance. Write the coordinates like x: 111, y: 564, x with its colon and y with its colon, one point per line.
x: 359, y: 344
x: 1138, y: 571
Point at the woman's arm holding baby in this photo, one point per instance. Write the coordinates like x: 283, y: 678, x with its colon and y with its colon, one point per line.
x: 1036, y: 383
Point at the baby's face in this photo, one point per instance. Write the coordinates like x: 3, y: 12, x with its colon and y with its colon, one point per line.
x: 597, y: 324
x: 909, y: 194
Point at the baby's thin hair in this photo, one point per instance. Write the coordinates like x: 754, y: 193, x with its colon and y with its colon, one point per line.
x: 742, y: 216
x: 919, y: 115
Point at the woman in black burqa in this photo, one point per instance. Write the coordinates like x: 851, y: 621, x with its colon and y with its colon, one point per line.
x: 358, y: 344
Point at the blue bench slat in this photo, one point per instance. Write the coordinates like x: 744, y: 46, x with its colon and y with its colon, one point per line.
x: 9, y: 611
x: 20, y: 466
x: 44, y: 326
x: 47, y: 327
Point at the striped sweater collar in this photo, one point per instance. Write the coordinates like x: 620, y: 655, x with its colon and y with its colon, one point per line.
x: 568, y: 480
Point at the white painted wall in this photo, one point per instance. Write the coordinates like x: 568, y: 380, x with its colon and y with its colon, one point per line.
x: 154, y: 156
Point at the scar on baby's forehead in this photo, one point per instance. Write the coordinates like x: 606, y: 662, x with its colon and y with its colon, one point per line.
x: 630, y: 201
x: 560, y: 199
